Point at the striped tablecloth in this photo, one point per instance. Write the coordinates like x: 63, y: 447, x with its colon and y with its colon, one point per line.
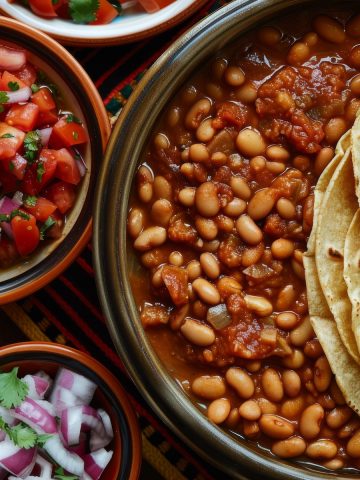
x: 67, y: 310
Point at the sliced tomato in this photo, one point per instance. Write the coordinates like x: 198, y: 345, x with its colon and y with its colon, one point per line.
x: 67, y: 168
x: 62, y: 194
x: 11, y: 140
x: 23, y: 116
x: 44, y: 8
x: 40, y: 173
x: 26, y: 234
x: 66, y: 134
x: 42, y: 209
x: 47, y: 118
x: 44, y: 100
x: 26, y: 74
x: 8, y: 252
x: 105, y: 13
x: 16, y: 166
x: 154, y: 5
x: 8, y: 79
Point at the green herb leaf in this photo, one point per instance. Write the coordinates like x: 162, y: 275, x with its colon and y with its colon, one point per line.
x: 32, y: 145
x: 4, y: 217
x: 83, y: 11
x: 4, y: 97
x: 7, y: 135
x: 22, y: 435
x: 70, y: 118
x: 13, y: 86
x: 12, y: 389
x: 49, y: 222
x: 30, y: 201
x: 35, y: 88
x: 19, y: 213
x: 11, y: 166
x: 60, y: 475
x: 42, y: 439
x: 40, y: 170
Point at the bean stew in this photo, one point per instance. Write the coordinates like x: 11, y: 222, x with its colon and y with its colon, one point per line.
x: 220, y: 217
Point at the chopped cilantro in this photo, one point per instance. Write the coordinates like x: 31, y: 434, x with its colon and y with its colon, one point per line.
x: 35, y: 88
x: 11, y: 166
x: 4, y: 97
x: 19, y: 213
x: 12, y: 389
x: 49, y: 222
x: 13, y: 86
x: 75, y: 135
x: 70, y: 118
x: 54, y: 2
x: 40, y: 170
x: 4, y: 217
x: 60, y: 475
x: 83, y: 11
x: 22, y: 435
x: 7, y: 135
x: 30, y: 201
x: 32, y: 144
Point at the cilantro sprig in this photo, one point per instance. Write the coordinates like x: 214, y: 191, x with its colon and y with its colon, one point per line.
x: 83, y: 11
x: 32, y: 145
x: 14, y: 86
x: 4, y: 97
x: 49, y: 222
x: 12, y: 389
x: 7, y: 217
x: 23, y: 436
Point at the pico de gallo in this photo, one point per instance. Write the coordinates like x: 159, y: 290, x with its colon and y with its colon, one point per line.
x: 93, y: 12
x: 40, y: 157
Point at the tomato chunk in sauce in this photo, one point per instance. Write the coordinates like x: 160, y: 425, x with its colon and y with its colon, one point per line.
x: 220, y: 217
x: 40, y: 148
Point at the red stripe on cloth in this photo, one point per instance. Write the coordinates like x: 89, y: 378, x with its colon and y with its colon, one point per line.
x: 85, y: 265
x: 85, y: 327
x: 90, y: 306
x: 68, y: 335
x: 118, y: 64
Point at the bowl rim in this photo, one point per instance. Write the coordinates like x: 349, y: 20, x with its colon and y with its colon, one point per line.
x: 83, y: 358
x: 103, y: 126
x: 105, y: 39
x: 128, y: 138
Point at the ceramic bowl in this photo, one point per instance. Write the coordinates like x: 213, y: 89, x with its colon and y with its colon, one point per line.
x: 81, y: 95
x: 133, y: 25
x: 31, y: 357
x: 236, y: 457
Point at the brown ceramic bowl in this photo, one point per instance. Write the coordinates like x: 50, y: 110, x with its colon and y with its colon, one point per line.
x: 84, y: 100
x: 115, y: 260
x: 31, y: 357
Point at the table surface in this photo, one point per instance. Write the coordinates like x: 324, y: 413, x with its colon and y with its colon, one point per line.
x: 67, y: 311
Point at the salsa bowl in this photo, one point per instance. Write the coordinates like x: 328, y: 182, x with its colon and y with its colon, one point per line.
x: 32, y: 357
x: 77, y: 95
x: 178, y: 160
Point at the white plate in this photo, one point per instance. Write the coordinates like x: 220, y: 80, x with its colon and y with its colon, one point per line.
x: 134, y: 24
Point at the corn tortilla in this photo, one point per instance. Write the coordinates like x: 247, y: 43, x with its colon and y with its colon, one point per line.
x: 340, y: 203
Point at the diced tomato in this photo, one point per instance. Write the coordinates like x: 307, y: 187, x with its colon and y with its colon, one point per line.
x: 105, y: 13
x: 42, y: 210
x: 66, y: 168
x: 8, y: 252
x: 154, y: 5
x: 16, y: 166
x: 66, y: 134
x: 23, y: 116
x: 9, y: 183
x: 62, y: 194
x: 26, y: 74
x: 44, y: 8
x: 26, y: 234
x: 46, y: 163
x: 47, y: 118
x: 11, y: 139
x: 44, y: 100
x: 56, y: 230
x: 8, y: 78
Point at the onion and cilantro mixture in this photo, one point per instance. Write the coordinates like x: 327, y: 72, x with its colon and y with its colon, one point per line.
x: 49, y: 431
x: 94, y: 12
x: 40, y: 160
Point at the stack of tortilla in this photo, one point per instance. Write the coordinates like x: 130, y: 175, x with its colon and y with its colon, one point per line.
x: 332, y: 265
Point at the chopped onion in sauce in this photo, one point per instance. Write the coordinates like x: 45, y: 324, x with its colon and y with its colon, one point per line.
x: 218, y: 316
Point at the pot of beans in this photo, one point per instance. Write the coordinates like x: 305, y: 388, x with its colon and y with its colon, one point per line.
x: 209, y: 177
